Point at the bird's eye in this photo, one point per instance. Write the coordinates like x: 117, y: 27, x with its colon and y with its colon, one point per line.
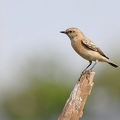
x: 70, y: 31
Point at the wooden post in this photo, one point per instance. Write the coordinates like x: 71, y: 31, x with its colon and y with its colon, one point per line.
x: 73, y: 109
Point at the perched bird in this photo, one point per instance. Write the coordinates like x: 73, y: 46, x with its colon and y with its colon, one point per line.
x: 86, y: 48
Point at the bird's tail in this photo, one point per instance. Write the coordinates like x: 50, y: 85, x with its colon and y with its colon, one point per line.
x: 112, y: 64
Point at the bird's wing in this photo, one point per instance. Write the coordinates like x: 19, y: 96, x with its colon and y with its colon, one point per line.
x: 90, y: 45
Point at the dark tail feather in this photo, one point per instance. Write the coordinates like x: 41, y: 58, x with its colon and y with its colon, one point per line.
x: 112, y: 64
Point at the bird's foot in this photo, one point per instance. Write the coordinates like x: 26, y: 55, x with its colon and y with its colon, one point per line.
x: 88, y: 73
x: 83, y: 72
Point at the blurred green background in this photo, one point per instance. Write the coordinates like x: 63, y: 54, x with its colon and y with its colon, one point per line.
x: 39, y: 69
x: 44, y: 96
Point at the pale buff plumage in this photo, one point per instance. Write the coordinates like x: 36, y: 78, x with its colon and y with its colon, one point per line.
x: 86, y: 48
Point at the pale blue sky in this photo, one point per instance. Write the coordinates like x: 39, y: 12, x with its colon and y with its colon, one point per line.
x: 31, y: 27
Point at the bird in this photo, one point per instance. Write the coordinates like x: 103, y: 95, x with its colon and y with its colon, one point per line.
x: 86, y: 48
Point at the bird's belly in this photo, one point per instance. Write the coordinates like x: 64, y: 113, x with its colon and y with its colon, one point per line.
x: 89, y: 55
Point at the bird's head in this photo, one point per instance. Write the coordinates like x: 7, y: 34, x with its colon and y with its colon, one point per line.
x: 72, y: 33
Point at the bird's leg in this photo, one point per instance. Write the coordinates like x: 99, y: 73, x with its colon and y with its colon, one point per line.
x: 90, y: 62
x: 92, y: 66
x: 90, y: 70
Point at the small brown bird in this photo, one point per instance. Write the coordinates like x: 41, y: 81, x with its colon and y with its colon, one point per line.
x: 86, y: 48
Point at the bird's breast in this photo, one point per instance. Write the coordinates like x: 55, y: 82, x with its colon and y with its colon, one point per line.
x: 79, y: 48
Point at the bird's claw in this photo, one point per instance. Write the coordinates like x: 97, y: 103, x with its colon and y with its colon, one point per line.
x: 83, y: 72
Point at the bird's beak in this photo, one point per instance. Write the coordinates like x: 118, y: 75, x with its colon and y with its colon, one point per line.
x: 63, y: 32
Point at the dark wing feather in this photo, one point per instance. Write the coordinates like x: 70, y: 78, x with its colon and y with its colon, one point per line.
x: 90, y: 45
